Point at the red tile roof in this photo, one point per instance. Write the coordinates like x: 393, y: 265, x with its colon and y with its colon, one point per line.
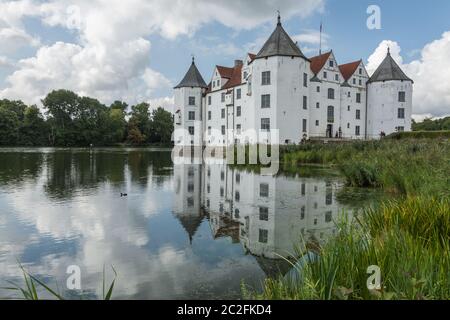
x: 349, y: 69
x: 225, y: 72
x: 235, y: 79
x: 252, y: 56
x: 318, y: 62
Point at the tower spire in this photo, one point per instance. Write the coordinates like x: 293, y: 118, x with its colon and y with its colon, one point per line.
x: 279, y: 18
x: 320, y: 44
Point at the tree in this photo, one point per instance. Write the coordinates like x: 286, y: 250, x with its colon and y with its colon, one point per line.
x: 34, y: 129
x: 161, y: 126
x: 62, y: 107
x: 140, y: 117
x: 9, y: 127
x: 135, y: 135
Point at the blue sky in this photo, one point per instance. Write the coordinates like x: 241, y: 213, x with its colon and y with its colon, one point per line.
x: 139, y: 50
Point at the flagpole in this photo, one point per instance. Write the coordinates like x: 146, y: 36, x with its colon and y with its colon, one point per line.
x: 320, y: 48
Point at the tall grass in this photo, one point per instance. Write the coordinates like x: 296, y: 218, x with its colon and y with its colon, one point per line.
x: 408, y: 239
x: 407, y: 167
x: 30, y: 289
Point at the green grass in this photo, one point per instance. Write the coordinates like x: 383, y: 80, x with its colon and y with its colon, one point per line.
x: 31, y: 285
x: 443, y: 134
x: 406, y: 167
x: 408, y: 239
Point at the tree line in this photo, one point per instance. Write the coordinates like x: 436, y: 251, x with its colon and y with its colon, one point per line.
x: 69, y: 120
x: 432, y: 125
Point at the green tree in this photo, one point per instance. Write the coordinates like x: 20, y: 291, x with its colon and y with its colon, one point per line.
x: 135, y: 135
x: 34, y: 129
x: 161, y: 126
x: 9, y: 127
x: 62, y: 107
x: 140, y: 117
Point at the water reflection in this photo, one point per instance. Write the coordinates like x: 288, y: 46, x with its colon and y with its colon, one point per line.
x: 269, y: 216
x: 185, y: 231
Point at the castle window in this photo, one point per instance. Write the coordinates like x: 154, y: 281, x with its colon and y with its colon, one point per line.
x: 348, y: 125
x: 209, y: 131
x: 328, y: 216
x: 305, y: 126
x: 305, y: 102
x: 354, y: 81
x: 360, y: 82
x: 402, y: 96
x: 401, y: 113
x: 237, y: 196
x: 358, y: 98
x: 223, y: 113
x: 325, y: 75
x: 192, y: 101
x: 349, y: 94
x: 305, y: 80
x: 400, y: 129
x: 357, y: 131
x: 265, y: 124
x: 209, y: 100
x: 238, y: 178
x: 191, y: 115
x: 265, y: 101
x: 317, y: 123
x: 222, y: 192
x: 265, y: 78
x: 318, y: 89
x: 238, y: 129
x: 360, y: 71
x: 303, y: 189
x: 358, y: 114
x: 263, y: 236
x: 331, y: 94
x: 303, y: 213
x: 223, y: 97
x: 223, y: 130
x: 209, y: 115
x: 331, y: 63
x: 264, y: 190
x: 238, y: 94
x: 238, y: 111
x: 318, y: 105
x: 263, y: 214
x: 336, y: 77
x: 222, y: 176
x: 191, y: 131
x: 348, y: 108
x: 330, y: 114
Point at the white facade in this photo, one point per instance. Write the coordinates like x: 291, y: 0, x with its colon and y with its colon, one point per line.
x: 268, y: 215
x: 280, y: 90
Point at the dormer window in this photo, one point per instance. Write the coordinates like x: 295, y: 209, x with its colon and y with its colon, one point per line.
x: 337, y: 77
x: 331, y: 64
x: 360, y: 71
x: 325, y: 75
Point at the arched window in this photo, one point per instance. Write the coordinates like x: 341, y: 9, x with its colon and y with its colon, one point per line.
x: 330, y: 114
x: 331, y: 93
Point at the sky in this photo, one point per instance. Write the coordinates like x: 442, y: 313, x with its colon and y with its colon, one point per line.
x: 138, y: 50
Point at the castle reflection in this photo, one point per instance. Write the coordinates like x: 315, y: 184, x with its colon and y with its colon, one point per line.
x: 273, y: 218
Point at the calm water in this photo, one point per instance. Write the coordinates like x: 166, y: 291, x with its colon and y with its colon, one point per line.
x: 188, y: 231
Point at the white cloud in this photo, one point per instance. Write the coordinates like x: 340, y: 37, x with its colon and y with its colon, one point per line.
x: 431, y: 75
x: 112, y: 57
x: 167, y: 103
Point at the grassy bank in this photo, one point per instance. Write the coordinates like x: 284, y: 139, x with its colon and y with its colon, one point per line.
x: 407, y: 167
x: 408, y: 238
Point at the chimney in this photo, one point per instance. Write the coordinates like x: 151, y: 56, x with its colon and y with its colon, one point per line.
x: 238, y: 63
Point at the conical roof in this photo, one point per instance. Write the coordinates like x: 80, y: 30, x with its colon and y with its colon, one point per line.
x: 192, y: 79
x: 389, y: 70
x: 280, y: 44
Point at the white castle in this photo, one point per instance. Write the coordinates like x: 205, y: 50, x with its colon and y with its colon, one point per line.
x: 281, y: 90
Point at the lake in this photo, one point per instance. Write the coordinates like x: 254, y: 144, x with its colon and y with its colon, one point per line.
x: 182, y: 232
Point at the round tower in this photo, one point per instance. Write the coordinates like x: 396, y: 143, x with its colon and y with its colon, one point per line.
x: 188, y: 96
x: 389, y: 102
